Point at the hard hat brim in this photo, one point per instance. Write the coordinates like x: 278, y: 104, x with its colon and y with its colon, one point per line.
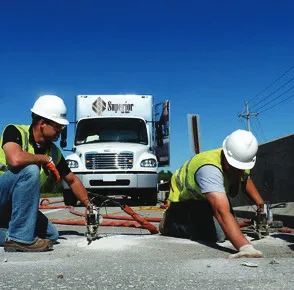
x: 61, y: 121
x: 238, y: 164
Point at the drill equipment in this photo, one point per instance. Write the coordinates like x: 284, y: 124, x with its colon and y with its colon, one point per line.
x: 101, y: 200
x: 262, y: 221
x: 92, y: 223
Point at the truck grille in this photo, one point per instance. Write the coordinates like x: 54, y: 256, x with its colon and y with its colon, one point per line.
x: 123, y: 160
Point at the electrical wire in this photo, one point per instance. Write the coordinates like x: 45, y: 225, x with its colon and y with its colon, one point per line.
x: 243, y: 123
x: 272, y: 94
x: 271, y: 84
x: 274, y: 99
x: 254, y: 129
x: 261, y: 130
x: 276, y: 104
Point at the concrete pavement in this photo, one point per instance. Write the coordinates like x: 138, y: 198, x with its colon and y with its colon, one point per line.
x: 131, y: 258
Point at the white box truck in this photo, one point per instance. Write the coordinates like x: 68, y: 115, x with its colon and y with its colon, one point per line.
x: 116, y: 142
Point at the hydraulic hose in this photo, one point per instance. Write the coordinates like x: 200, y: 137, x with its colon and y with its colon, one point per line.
x: 137, y: 220
x: 134, y: 220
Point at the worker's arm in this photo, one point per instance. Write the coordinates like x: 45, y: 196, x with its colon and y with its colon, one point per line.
x: 16, y: 157
x: 221, y: 209
x: 253, y: 192
x: 77, y: 188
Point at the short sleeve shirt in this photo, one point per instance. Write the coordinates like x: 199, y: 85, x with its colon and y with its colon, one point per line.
x: 210, y: 179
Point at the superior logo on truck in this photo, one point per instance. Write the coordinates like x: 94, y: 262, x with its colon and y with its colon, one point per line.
x: 99, y: 106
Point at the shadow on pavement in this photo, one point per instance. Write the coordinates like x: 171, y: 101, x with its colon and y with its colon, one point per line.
x: 285, y: 237
x: 70, y: 233
x: 218, y: 247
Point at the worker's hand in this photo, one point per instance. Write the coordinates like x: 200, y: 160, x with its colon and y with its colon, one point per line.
x: 246, y: 251
x: 50, y: 166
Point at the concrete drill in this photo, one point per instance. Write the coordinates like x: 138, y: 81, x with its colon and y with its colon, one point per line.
x: 93, y: 219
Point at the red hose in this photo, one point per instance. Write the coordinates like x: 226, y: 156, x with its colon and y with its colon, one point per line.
x: 117, y: 217
x: 286, y: 231
x: 131, y: 224
x: 143, y: 222
x: 46, y: 201
x: 139, y: 222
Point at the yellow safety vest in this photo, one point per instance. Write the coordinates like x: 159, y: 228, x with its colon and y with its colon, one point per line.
x: 183, y: 184
x: 54, y: 152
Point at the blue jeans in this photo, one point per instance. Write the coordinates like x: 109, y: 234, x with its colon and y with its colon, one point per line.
x: 20, y: 218
x: 193, y: 220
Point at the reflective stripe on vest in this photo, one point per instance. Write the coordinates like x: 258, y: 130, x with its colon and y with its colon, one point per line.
x: 189, y: 187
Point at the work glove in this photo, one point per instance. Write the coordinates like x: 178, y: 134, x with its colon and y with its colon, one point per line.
x: 50, y: 166
x: 246, y: 251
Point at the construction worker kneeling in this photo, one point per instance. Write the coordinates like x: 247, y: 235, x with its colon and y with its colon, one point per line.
x: 27, y: 156
x: 199, y: 208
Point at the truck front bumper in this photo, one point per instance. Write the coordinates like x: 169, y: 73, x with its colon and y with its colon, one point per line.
x: 117, y: 180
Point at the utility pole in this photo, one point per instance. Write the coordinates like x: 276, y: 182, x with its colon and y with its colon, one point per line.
x: 247, y: 115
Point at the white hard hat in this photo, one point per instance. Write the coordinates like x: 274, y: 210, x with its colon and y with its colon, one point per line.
x: 240, y: 149
x: 51, y: 107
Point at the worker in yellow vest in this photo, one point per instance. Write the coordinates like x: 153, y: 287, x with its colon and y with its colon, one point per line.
x: 199, y: 208
x: 27, y: 156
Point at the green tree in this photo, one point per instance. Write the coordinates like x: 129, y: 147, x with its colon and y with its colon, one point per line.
x: 50, y: 186
x: 162, y: 175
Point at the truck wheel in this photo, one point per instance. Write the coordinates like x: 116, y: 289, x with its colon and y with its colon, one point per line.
x: 150, y: 197
x: 69, y: 198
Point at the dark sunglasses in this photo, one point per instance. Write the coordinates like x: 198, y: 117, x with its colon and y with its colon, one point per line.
x: 56, y: 126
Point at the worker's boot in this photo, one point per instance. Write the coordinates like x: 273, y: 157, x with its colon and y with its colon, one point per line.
x: 40, y: 245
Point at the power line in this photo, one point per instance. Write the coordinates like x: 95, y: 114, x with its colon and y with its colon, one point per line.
x: 254, y: 130
x: 273, y: 92
x: 243, y: 123
x: 247, y: 114
x: 275, y: 98
x: 276, y: 104
x: 271, y: 84
x: 261, y: 130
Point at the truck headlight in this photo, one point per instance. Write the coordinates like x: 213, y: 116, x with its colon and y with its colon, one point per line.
x: 151, y: 162
x: 72, y: 163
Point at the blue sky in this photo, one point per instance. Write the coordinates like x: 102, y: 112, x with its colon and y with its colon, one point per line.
x: 206, y: 57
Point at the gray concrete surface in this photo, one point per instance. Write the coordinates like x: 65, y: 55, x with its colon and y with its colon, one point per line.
x: 148, y: 262
x: 130, y: 258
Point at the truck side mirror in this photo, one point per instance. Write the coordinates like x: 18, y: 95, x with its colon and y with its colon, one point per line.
x: 159, y: 135
x: 63, y: 142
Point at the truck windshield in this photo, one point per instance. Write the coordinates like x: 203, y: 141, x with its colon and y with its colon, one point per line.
x: 96, y: 130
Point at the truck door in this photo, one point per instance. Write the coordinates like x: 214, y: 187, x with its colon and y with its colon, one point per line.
x: 161, y: 131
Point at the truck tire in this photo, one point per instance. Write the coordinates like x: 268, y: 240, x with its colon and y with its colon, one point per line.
x: 69, y: 198
x: 150, y: 197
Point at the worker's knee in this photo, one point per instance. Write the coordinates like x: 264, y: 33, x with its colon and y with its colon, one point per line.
x: 31, y: 172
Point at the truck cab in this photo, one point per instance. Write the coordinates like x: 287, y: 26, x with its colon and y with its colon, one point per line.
x: 114, y: 147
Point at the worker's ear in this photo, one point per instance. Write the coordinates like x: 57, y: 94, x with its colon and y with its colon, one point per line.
x: 42, y: 123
